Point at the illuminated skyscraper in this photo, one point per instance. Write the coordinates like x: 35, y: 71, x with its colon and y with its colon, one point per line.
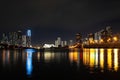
x: 19, y: 38
x: 71, y: 42
x: 28, y: 42
x: 58, y: 42
x: 4, y: 39
x: 24, y: 40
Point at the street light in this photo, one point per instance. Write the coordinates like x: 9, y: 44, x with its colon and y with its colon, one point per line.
x: 101, y: 41
x: 115, y: 38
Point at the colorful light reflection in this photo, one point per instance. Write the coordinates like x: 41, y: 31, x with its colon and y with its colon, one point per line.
x: 29, y: 65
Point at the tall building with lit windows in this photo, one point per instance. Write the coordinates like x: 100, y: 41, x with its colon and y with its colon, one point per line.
x: 28, y: 37
x: 19, y: 38
x: 58, y: 42
x: 4, y: 39
x: 24, y: 40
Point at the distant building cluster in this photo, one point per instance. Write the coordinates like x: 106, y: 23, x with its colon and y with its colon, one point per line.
x: 59, y: 43
x: 17, y: 39
x: 103, y: 36
x: 100, y: 37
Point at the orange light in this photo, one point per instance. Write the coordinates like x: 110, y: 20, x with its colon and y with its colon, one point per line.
x: 115, y: 38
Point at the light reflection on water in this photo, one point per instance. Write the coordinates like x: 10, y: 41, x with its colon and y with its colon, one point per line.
x: 102, y: 58
x: 29, y: 65
x: 91, y: 58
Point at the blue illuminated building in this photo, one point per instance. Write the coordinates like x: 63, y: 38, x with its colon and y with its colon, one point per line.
x: 29, y: 33
x: 28, y: 38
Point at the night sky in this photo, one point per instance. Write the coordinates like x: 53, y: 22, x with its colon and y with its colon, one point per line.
x: 49, y: 19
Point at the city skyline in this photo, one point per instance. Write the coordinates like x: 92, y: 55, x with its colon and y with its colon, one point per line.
x: 62, y: 18
x: 105, y: 35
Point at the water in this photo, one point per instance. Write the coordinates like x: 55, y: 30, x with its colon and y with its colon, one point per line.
x: 88, y: 64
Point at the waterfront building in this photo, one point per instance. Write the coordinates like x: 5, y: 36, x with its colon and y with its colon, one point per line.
x: 24, y: 39
x: 91, y: 38
x: 71, y: 42
x: 4, y: 39
x: 58, y: 42
x: 13, y: 38
x: 62, y: 43
x: 48, y: 45
x: 65, y: 43
x: 19, y: 38
x: 96, y: 37
x: 28, y: 37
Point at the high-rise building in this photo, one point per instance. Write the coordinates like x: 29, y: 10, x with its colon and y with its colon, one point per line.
x: 28, y: 38
x: 19, y: 38
x: 24, y: 39
x: 65, y: 43
x: 4, y: 38
x: 13, y: 38
x: 62, y: 43
x: 56, y: 43
x: 96, y: 37
x: 59, y: 41
x: 71, y: 42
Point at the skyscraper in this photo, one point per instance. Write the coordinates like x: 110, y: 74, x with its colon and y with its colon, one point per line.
x: 28, y: 42
x: 19, y: 38
x: 24, y: 40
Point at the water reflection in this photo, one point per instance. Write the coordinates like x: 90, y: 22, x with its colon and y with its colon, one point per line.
x: 102, y: 58
x: 109, y: 59
x: 29, y: 65
x: 115, y: 59
x: 94, y: 59
x: 6, y: 58
x: 75, y: 57
x: 48, y: 56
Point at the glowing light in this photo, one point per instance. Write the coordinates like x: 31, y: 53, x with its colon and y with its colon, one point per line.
x: 38, y: 56
x: 48, y: 56
x: 29, y: 33
x: 86, y: 56
x: 96, y: 61
x: 92, y: 57
x: 48, y: 45
x: 109, y: 58
x: 116, y: 59
x: 73, y: 56
x: 38, y: 47
x: 102, y: 58
x: 115, y: 38
x: 101, y: 41
x: 29, y: 65
x: 108, y: 40
x: 30, y: 50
